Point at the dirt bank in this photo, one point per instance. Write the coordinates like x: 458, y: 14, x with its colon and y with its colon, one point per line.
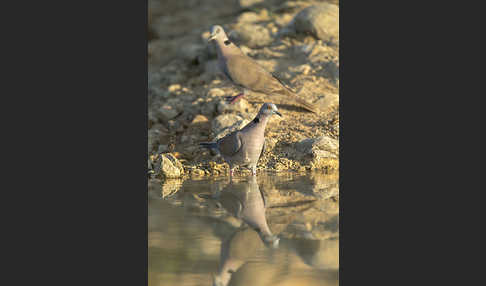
x: 297, y: 40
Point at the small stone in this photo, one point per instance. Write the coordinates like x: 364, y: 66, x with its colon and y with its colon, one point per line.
x: 249, y: 3
x: 207, y: 107
x: 168, y: 112
x: 240, y: 105
x: 247, y: 17
x: 304, y: 69
x: 199, y: 119
x: 174, y: 87
x: 215, y: 92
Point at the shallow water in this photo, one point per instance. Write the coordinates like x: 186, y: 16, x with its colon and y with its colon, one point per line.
x: 265, y: 230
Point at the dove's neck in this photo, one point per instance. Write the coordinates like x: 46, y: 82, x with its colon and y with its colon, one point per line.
x: 225, y: 48
x: 261, y: 120
x: 258, y: 124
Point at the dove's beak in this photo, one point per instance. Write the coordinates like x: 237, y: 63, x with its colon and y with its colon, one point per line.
x: 211, y: 37
x: 278, y: 113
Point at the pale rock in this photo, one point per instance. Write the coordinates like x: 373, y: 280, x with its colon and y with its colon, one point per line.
x: 167, y: 167
x: 240, y: 106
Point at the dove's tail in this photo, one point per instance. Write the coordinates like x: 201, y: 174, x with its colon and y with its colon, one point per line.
x: 209, y: 145
x: 302, y: 102
x: 307, y: 105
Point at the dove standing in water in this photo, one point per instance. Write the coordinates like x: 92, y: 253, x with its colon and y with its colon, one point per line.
x: 245, y: 73
x: 244, y: 147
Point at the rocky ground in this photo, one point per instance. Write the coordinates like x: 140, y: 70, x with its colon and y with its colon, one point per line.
x: 297, y: 40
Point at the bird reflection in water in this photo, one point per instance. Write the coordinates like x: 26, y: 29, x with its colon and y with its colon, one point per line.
x: 243, y: 200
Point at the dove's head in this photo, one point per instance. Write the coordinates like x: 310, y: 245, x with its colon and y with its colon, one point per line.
x: 269, y: 109
x: 217, y: 33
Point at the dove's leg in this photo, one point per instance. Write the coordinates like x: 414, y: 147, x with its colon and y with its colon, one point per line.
x: 253, y: 170
x: 233, y: 99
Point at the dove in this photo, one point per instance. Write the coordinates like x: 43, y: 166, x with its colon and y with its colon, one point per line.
x: 246, y: 73
x: 244, y: 147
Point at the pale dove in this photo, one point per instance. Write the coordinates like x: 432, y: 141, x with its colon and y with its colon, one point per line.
x: 245, y: 73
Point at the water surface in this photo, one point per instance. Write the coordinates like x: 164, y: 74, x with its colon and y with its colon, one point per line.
x: 265, y: 230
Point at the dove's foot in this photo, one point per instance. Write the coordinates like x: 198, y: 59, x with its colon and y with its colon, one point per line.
x: 233, y: 99
x: 253, y: 171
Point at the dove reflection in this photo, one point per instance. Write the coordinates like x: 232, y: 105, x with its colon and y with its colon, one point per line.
x: 245, y: 201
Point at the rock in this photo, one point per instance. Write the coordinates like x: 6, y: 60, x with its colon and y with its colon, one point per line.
x: 208, y: 106
x: 304, y: 69
x: 251, y: 35
x: 174, y: 87
x: 241, y: 106
x: 215, y: 92
x: 249, y: 3
x: 226, y: 123
x: 197, y: 172
x: 168, y: 112
x: 166, y: 166
x: 320, y: 21
x: 323, y: 143
x: 324, y: 160
x: 170, y: 109
x: 248, y: 17
x: 199, y: 119
x: 199, y: 127
x: 324, y: 151
x: 332, y: 70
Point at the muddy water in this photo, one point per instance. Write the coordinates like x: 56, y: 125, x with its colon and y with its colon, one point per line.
x: 265, y: 230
